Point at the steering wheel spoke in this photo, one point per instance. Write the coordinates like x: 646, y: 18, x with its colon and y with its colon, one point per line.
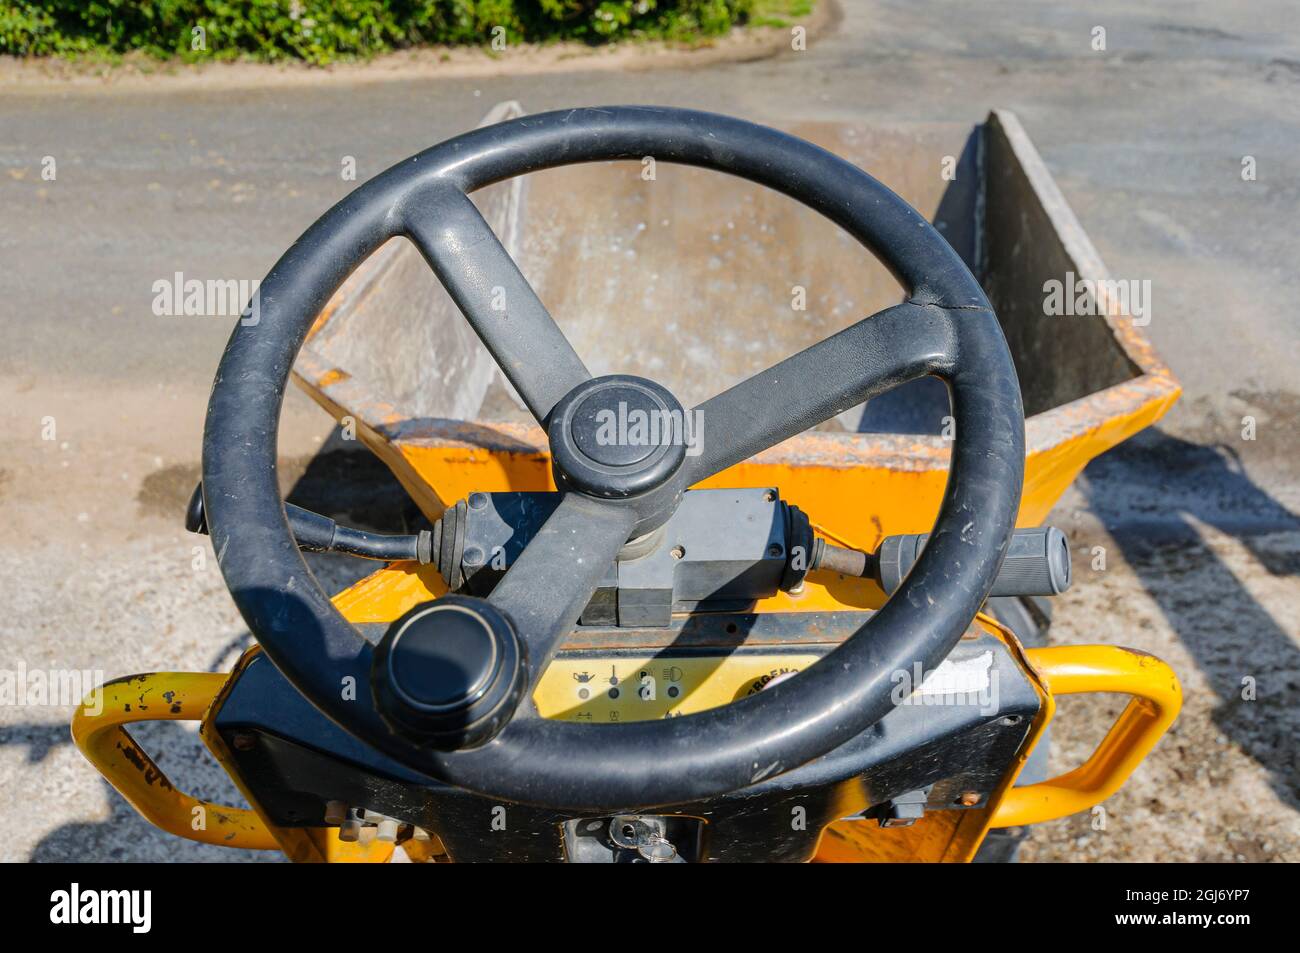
x: 495, y: 297
x: 552, y: 580
x: 873, y: 356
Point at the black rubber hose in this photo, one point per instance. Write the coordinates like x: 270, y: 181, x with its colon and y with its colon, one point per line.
x: 320, y: 534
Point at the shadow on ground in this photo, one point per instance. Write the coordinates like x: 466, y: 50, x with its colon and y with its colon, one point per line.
x: 1152, y: 495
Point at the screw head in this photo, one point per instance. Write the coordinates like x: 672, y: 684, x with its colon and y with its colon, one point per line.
x: 968, y: 798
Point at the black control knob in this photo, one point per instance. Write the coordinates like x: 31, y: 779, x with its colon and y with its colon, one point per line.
x: 1037, y: 562
x: 449, y: 673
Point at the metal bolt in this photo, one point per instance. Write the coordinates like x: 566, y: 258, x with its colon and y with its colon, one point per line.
x: 968, y: 798
x: 678, y: 552
x: 477, y: 501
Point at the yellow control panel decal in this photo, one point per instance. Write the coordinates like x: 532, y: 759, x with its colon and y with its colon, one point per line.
x: 617, y: 688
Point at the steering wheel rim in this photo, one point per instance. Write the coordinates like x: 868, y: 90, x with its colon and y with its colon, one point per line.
x: 946, y: 328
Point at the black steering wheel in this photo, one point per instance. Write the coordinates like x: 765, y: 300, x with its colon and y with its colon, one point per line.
x: 448, y: 691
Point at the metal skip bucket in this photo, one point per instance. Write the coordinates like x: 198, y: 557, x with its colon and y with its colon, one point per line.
x: 699, y: 280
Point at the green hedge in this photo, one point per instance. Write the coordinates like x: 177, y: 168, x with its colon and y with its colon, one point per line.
x: 320, y: 31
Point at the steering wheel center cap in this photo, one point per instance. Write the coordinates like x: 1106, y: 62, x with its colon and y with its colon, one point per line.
x: 618, y: 436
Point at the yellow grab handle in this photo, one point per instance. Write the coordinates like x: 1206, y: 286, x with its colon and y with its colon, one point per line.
x: 1080, y: 669
x: 160, y: 696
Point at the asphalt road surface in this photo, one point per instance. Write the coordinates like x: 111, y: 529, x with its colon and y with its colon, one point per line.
x: 102, y: 400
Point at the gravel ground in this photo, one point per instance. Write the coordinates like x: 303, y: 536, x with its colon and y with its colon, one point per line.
x: 1198, y: 525
x: 1213, y: 593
